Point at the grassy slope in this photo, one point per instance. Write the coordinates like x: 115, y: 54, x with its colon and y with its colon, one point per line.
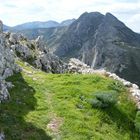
x: 39, y: 99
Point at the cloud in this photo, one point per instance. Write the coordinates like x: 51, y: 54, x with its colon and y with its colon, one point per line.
x: 14, y: 12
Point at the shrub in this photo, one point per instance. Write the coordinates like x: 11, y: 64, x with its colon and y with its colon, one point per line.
x: 107, y: 98
x: 96, y: 103
x: 104, y: 100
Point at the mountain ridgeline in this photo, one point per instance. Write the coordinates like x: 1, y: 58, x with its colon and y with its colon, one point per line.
x: 38, y: 24
x: 101, y: 41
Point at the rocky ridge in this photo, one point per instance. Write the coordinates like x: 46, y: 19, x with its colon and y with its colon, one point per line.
x: 7, y: 65
x: 76, y: 66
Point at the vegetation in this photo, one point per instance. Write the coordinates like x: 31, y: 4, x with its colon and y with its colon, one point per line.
x: 104, y: 100
x: 53, y: 106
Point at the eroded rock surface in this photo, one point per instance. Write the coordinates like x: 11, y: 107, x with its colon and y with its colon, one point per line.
x: 7, y: 64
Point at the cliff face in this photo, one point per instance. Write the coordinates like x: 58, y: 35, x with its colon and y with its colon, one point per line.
x: 7, y: 65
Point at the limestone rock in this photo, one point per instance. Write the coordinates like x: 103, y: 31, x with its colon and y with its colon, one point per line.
x: 50, y: 63
x: 7, y: 64
x: 7, y: 73
x: 13, y: 38
x: 4, y: 94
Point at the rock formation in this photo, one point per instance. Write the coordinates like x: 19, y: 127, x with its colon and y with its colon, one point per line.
x: 35, y: 53
x: 7, y: 65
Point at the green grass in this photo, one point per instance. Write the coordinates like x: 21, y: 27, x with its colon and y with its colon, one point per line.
x: 39, y: 98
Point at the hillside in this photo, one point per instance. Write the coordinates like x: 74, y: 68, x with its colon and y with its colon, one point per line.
x: 46, y: 106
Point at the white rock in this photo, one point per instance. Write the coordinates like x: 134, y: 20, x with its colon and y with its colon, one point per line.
x: 127, y: 84
x: 135, y: 86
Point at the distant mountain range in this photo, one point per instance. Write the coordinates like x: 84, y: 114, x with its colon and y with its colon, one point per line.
x: 39, y: 24
x: 101, y: 41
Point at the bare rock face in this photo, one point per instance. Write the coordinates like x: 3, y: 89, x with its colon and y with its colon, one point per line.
x: 7, y: 64
x: 35, y: 53
x: 40, y: 43
x: 50, y: 63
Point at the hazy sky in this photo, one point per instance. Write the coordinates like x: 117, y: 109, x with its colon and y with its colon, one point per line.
x: 14, y: 12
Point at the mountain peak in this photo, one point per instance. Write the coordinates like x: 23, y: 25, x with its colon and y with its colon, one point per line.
x: 91, y: 14
x: 111, y: 19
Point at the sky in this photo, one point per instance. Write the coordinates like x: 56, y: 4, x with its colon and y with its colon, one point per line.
x: 14, y: 12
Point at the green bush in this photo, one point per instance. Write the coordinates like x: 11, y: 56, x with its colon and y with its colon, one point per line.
x: 109, y: 98
x: 96, y: 103
x: 104, y: 100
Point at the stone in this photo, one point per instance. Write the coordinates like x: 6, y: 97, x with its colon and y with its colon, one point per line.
x: 13, y: 38
x: 135, y: 86
x: 7, y: 73
x: 127, y: 84
x: 4, y: 94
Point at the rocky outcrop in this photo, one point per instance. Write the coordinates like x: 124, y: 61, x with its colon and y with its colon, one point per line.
x: 76, y: 66
x: 7, y: 64
x: 35, y: 53
x: 50, y: 63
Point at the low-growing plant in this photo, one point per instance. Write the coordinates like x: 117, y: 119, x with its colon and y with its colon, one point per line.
x: 96, y: 103
x: 104, y: 100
